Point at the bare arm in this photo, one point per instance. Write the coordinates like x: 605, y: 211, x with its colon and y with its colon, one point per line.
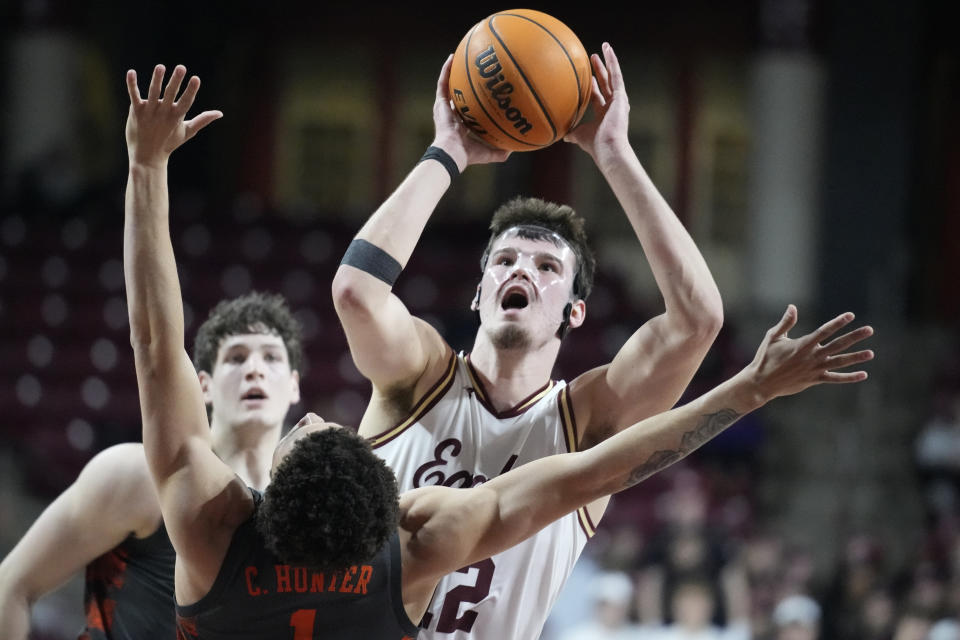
x: 391, y: 347
x: 112, y: 498
x: 198, y: 492
x: 514, y: 506
x: 657, y: 363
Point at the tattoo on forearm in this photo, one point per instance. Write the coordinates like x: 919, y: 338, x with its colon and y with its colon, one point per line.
x: 709, y: 426
x: 659, y: 460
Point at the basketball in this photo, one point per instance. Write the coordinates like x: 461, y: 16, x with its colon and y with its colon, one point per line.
x: 520, y: 79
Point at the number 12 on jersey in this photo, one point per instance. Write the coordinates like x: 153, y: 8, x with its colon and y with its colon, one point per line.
x: 449, y: 621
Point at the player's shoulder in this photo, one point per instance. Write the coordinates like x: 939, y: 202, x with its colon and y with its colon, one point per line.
x: 439, y: 354
x: 587, y: 389
x: 124, y: 458
x: 588, y: 377
x: 120, y: 470
x: 116, y: 485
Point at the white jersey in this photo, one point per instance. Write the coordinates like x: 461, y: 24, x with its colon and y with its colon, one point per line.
x: 454, y: 437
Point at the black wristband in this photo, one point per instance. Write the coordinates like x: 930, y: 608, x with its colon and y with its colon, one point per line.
x: 370, y: 258
x: 441, y: 156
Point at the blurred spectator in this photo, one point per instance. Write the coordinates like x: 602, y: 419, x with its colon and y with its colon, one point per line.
x: 913, y: 625
x: 763, y: 560
x: 945, y: 629
x: 687, y: 547
x: 798, y: 571
x: 937, y: 452
x: 797, y: 617
x: 861, y: 571
x: 692, y: 607
x: 612, y: 593
x: 877, y: 616
x: 927, y: 588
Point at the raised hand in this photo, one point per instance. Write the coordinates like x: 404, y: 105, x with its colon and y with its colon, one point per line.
x: 452, y: 135
x: 156, y: 125
x: 784, y: 366
x: 606, y: 131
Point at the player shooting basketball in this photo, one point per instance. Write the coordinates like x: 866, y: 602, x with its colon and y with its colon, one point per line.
x: 472, y: 416
x: 331, y: 550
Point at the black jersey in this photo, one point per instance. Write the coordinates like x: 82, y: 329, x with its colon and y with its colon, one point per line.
x: 258, y: 596
x: 129, y: 591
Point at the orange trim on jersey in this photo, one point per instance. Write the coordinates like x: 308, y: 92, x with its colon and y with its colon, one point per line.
x: 484, y: 399
x: 585, y: 522
x: 426, y: 403
x: 568, y: 420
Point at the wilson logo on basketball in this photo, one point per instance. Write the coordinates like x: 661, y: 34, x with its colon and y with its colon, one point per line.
x: 520, y: 80
x: 489, y: 68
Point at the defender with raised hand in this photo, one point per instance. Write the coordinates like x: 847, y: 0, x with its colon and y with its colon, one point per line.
x: 442, y: 418
x: 246, y: 357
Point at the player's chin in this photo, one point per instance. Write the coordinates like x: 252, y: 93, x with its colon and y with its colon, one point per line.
x: 261, y: 417
x: 510, y: 335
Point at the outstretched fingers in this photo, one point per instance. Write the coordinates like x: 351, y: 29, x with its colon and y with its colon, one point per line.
x: 444, y: 80
x: 787, y: 322
x: 832, y: 377
x: 613, y: 69
x: 601, y: 75
x: 830, y: 327
x: 847, y: 340
x: 847, y: 359
x: 198, y: 122
x: 173, y: 84
x: 189, y: 94
x: 836, y: 347
x: 156, y: 82
x: 132, y: 88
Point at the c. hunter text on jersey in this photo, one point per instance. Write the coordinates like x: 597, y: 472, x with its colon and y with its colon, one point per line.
x: 290, y: 579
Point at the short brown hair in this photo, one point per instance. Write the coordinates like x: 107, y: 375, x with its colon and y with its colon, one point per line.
x: 250, y: 313
x: 557, y: 218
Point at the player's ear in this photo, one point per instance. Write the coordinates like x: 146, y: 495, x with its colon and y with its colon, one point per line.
x: 295, y: 382
x: 475, y: 305
x: 206, y: 384
x: 578, y: 313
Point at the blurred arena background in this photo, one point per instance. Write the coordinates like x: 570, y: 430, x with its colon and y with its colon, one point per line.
x: 812, y: 148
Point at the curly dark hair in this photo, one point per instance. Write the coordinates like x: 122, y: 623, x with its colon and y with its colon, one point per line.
x: 558, y: 218
x: 253, y: 312
x: 332, y: 502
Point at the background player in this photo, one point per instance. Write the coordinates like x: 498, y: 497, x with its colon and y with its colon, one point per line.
x: 247, y: 355
x: 461, y: 420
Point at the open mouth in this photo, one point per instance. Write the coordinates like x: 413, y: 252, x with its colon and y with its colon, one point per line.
x: 254, y: 394
x: 514, y: 300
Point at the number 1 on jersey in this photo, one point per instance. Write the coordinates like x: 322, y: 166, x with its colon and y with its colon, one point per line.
x: 302, y: 622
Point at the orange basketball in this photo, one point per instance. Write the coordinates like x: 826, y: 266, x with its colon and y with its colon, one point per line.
x: 520, y: 79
